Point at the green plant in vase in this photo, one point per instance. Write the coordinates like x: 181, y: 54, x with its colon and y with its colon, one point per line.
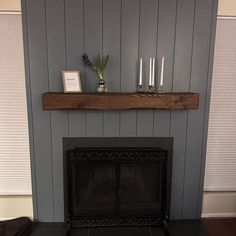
x: 99, y: 66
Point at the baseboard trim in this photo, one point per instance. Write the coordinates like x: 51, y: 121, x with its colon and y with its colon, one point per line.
x: 218, y: 215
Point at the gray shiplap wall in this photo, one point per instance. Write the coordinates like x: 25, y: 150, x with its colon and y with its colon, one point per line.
x: 57, y: 32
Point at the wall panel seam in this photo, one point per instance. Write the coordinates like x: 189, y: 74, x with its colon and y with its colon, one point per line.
x: 84, y: 40
x: 121, y: 33
x: 157, y: 28
x: 50, y: 113
x: 139, y: 45
x: 66, y: 63
x: 172, y: 86
x: 84, y: 70
x: 102, y: 55
x: 155, y: 113
x: 173, y: 60
x: 173, y: 69
x: 193, y: 33
x: 189, y: 86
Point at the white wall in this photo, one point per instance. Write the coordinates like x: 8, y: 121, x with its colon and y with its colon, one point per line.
x: 10, y: 5
x: 221, y: 204
x: 14, y: 206
x: 227, y: 8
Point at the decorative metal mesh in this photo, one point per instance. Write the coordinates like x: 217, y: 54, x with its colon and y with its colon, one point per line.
x: 96, y: 154
x: 110, y: 222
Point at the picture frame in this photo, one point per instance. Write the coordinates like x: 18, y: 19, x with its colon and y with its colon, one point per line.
x: 71, y: 81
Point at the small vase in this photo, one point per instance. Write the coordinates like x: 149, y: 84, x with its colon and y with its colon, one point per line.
x: 102, y: 88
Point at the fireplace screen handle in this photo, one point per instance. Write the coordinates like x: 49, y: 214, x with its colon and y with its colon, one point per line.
x: 117, y: 188
x: 114, y: 187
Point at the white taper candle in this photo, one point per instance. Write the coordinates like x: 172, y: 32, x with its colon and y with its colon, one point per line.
x: 150, y: 72
x: 162, y: 71
x: 140, y: 72
x: 153, y: 71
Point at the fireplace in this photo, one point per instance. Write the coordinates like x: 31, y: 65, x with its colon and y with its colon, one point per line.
x: 117, y: 181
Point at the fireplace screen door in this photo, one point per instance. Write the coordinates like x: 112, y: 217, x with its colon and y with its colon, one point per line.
x: 116, y: 182
x: 93, y: 186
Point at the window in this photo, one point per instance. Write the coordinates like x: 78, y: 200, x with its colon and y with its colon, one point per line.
x: 15, y: 178
x: 221, y: 147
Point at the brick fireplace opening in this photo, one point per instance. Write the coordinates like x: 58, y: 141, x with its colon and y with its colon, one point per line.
x: 117, y: 181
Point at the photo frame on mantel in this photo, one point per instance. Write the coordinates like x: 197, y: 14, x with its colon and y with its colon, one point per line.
x: 71, y: 81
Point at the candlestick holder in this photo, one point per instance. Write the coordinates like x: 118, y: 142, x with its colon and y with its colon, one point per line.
x: 140, y: 89
x: 161, y: 89
x: 151, y: 88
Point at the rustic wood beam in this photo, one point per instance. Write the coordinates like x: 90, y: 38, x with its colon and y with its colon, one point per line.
x: 120, y: 101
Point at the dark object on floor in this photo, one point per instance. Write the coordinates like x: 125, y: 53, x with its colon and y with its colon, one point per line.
x: 21, y: 226
x: 221, y: 227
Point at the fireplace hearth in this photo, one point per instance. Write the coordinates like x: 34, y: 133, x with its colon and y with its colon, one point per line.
x: 117, y: 181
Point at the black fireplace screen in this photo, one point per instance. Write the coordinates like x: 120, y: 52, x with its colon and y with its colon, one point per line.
x: 117, y: 183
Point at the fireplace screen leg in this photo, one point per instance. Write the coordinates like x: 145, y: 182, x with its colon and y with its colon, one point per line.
x: 68, y: 229
x: 165, y: 228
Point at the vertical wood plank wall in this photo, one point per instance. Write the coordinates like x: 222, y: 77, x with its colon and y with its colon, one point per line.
x: 58, y: 32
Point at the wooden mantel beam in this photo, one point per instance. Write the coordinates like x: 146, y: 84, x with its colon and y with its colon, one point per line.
x: 120, y: 101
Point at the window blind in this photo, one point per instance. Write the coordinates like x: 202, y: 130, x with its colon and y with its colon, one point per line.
x: 15, y: 178
x: 220, y: 172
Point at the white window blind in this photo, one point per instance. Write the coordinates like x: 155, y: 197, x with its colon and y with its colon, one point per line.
x: 221, y: 145
x: 15, y: 178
